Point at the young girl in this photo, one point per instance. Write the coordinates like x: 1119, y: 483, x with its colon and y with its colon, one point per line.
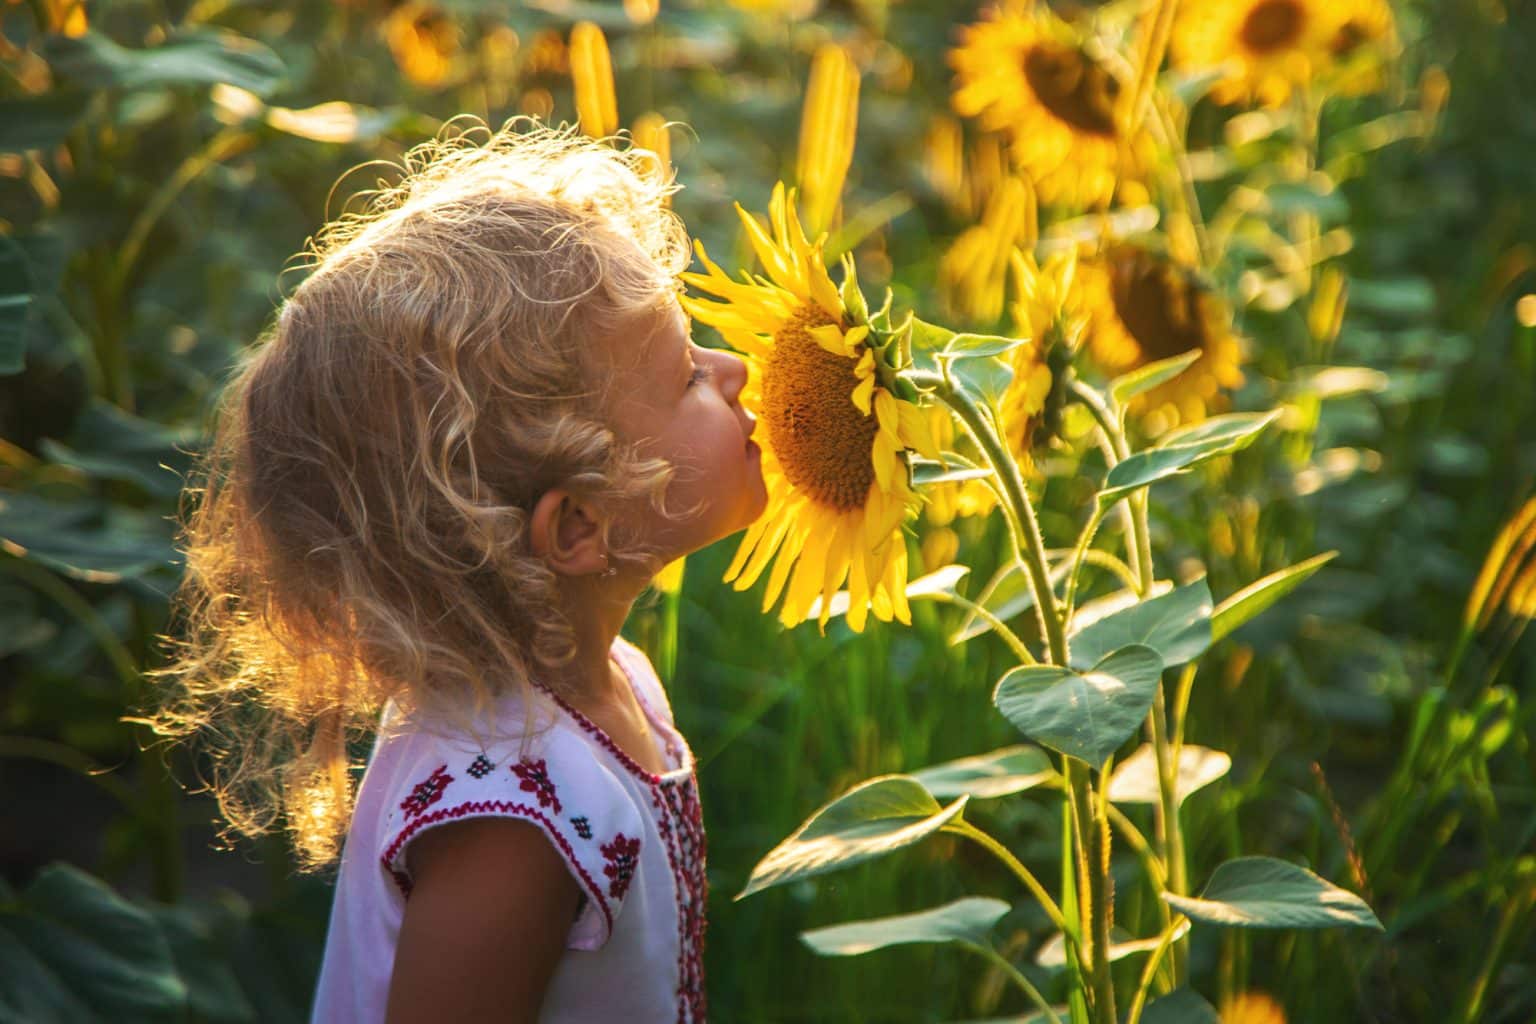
x: 436, y: 488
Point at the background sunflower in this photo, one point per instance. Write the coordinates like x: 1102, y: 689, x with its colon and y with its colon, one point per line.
x: 1269, y: 47
x: 1142, y: 307
x: 1028, y: 74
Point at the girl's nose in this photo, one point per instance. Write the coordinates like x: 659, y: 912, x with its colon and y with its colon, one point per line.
x: 732, y: 373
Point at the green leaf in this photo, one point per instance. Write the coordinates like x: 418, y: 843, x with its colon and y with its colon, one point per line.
x: 1181, y: 1006
x: 1135, y: 778
x: 1001, y: 773
x: 199, y: 937
x: 83, y: 541
x: 929, y: 337
x: 875, y: 818
x: 1053, y: 953
x: 1145, y: 378
x: 968, y: 920
x: 852, y: 295
x: 82, y: 938
x: 953, y: 469
x: 1177, y: 625
x: 1261, y: 892
x: 200, y: 57
x: 1327, y: 382
x: 977, y: 346
x: 1399, y: 298
x: 985, y: 377
x: 110, y: 444
x: 1181, y: 449
x: 16, y: 290
x: 1088, y: 714
x: 1320, y: 199
x: 41, y: 121
x: 1255, y: 598
x: 1007, y: 595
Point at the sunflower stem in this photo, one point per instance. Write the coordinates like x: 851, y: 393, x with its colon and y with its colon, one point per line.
x: 1090, y: 829
x: 1021, y: 512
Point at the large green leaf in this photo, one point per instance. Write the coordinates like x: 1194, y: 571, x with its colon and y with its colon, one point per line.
x: 200, y: 937
x: 953, y: 469
x: 84, y: 541
x: 968, y: 920
x: 1181, y: 449
x: 1253, y: 599
x: 16, y: 290
x: 875, y: 818
x: 1261, y: 892
x: 114, y: 445
x: 1177, y: 625
x: 1083, y: 714
x: 1181, y: 1006
x: 201, y: 57
x: 986, y: 776
x: 978, y: 346
x: 1145, y: 378
x: 39, y: 122
x: 1135, y: 778
x: 1053, y: 952
x: 83, y: 940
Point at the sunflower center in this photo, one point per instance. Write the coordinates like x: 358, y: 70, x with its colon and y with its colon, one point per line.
x: 1272, y: 25
x: 1072, y: 87
x: 1348, y: 38
x: 822, y: 441
x: 1159, y: 305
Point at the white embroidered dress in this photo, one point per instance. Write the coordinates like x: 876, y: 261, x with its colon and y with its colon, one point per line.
x: 633, y: 841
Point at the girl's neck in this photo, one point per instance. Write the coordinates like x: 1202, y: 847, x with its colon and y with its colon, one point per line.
x: 596, y: 609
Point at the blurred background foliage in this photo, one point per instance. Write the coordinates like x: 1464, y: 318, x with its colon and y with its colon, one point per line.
x: 160, y: 162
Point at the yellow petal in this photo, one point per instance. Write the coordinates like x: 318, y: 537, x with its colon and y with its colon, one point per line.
x: 830, y: 337
x: 863, y: 391
x: 858, y: 590
x: 917, y: 431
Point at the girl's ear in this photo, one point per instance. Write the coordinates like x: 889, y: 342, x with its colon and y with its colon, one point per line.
x: 566, y: 532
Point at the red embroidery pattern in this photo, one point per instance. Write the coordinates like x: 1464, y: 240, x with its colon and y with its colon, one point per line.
x: 427, y: 792
x: 535, y: 776
x: 682, y: 826
x: 622, y: 856
x: 493, y: 807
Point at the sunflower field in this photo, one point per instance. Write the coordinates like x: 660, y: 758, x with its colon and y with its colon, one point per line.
x: 1135, y: 631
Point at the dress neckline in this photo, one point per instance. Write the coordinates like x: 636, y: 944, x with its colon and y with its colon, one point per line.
x: 674, y: 748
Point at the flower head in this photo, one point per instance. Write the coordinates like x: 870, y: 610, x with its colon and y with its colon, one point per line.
x: 1143, y: 307
x: 1270, y: 47
x: 1027, y: 74
x: 835, y: 434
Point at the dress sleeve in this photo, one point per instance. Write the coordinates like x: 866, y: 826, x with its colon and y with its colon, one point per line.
x: 552, y: 780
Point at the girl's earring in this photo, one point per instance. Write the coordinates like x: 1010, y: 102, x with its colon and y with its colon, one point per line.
x: 608, y: 570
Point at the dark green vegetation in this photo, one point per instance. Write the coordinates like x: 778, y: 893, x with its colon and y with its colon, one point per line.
x: 1374, y: 739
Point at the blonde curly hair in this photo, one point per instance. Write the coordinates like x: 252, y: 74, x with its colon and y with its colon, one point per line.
x: 361, y: 533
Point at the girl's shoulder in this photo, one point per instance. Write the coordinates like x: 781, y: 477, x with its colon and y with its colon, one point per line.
x: 536, y: 765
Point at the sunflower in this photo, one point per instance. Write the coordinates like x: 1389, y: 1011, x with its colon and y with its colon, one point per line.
x: 1046, y: 310
x: 1142, y: 307
x: 1027, y: 74
x: 1271, y: 47
x: 837, y: 436
x: 1363, y: 38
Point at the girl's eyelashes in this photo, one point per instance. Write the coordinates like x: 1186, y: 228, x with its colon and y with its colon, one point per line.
x: 700, y: 375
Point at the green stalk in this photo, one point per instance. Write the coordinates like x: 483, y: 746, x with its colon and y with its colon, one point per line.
x: 1002, y: 853
x: 1018, y: 979
x: 1092, y: 831
x: 1010, y: 638
x: 1021, y: 513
